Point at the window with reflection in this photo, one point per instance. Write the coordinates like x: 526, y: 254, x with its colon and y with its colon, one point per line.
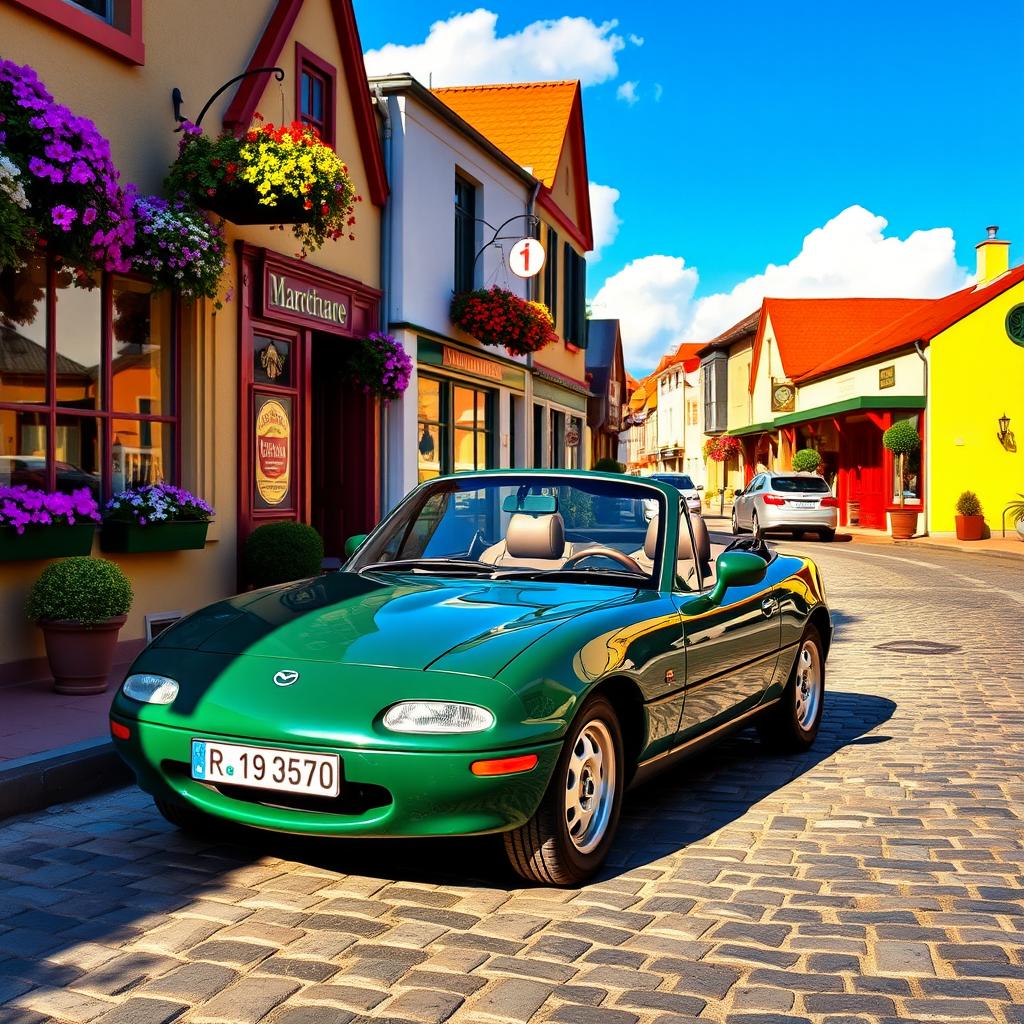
x: 456, y: 428
x: 87, y: 375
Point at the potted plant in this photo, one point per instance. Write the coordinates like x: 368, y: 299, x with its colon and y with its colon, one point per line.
x: 81, y: 605
x: 380, y: 366
x: 269, y: 175
x: 806, y: 460
x: 902, y: 439
x: 282, y: 552
x: 970, y: 522
x: 41, y: 524
x: 1016, y: 512
x: 156, y: 517
x: 495, y: 316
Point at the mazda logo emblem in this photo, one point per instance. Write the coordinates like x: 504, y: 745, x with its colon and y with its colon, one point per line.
x: 286, y: 677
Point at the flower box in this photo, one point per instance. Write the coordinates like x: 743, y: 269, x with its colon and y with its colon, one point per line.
x: 57, y: 541
x: 132, y: 539
x: 242, y: 206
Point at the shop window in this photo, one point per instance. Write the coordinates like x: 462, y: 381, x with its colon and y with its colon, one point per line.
x: 538, y: 436
x: 455, y: 428
x: 87, y: 396
x: 465, y: 234
x: 114, y: 25
x: 911, y: 472
x: 314, y: 101
x: 556, y: 439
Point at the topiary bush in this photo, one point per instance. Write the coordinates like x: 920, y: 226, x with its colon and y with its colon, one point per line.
x: 84, y: 590
x: 282, y: 552
x: 968, y: 505
x: 608, y: 465
x: 901, y: 439
x: 807, y: 460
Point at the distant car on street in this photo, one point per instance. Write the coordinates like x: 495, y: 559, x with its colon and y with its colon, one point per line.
x: 795, y: 502
x: 685, y: 486
x: 30, y: 471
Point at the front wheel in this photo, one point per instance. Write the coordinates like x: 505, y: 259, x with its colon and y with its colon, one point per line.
x: 793, y: 723
x: 569, y: 837
x: 190, y: 821
x: 735, y: 524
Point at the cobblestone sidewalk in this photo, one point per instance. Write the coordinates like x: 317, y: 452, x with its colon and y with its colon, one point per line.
x: 878, y: 878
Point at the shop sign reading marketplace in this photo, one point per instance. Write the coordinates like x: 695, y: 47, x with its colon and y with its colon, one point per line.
x: 304, y: 301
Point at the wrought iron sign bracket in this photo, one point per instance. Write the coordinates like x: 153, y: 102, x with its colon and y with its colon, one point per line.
x: 176, y: 98
x: 532, y: 221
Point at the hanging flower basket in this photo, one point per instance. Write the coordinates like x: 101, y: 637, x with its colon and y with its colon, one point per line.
x: 76, y: 206
x: 271, y: 175
x: 40, y: 524
x: 157, y: 517
x: 721, y: 448
x: 496, y: 317
x: 380, y: 366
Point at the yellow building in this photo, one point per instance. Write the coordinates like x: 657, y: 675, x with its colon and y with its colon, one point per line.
x: 179, y: 401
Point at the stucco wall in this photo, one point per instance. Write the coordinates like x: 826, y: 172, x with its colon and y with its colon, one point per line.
x: 739, y: 413
x: 863, y: 382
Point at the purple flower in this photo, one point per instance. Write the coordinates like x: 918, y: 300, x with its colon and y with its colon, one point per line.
x: 89, y: 216
x: 64, y: 216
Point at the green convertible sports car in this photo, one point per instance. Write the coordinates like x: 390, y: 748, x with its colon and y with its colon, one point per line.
x: 506, y: 652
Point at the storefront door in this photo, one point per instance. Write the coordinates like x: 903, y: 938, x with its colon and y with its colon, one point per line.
x: 866, y: 472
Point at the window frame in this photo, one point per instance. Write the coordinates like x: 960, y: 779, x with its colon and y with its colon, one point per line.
x: 464, y: 222
x: 485, y: 432
x: 126, y: 44
x: 551, y: 275
x: 51, y: 411
x: 307, y: 62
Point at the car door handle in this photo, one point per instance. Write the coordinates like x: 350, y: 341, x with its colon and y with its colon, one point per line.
x: 768, y: 607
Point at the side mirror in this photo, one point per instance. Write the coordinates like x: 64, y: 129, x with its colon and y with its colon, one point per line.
x: 736, y: 569
x: 700, y: 487
x: 737, y: 492
x: 353, y: 543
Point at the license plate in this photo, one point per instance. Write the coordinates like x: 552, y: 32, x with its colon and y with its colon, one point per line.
x: 288, y: 771
x: 804, y: 504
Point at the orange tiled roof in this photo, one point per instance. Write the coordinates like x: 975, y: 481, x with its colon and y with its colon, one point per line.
x: 922, y: 322
x: 528, y: 121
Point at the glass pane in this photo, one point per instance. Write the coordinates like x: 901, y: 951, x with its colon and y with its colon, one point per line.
x: 464, y: 407
x: 429, y: 399
x: 272, y: 361
x: 316, y: 98
x: 101, y: 8
x: 76, y: 449
x: 142, y: 367
x: 22, y: 449
x: 141, y: 453
x: 79, y: 337
x: 465, y: 450
x: 429, y: 451
x: 23, y: 335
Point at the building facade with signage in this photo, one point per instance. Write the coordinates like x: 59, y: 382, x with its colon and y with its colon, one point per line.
x: 241, y: 401
x: 606, y: 377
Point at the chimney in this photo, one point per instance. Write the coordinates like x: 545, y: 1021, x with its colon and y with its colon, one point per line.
x: 993, y: 256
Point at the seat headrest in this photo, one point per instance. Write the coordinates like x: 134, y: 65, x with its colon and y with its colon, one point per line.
x: 535, y: 536
x: 684, y: 549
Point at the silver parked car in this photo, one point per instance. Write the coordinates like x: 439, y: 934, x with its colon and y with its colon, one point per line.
x: 795, y: 502
x: 684, y: 485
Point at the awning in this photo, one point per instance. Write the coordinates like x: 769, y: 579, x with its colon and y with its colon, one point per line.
x: 864, y: 402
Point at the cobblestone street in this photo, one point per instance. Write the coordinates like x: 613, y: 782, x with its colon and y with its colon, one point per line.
x: 877, y: 878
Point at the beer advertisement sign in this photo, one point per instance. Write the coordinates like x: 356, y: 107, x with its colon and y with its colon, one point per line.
x: 273, y: 463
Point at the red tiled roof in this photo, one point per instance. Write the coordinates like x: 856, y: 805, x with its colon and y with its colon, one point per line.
x: 923, y: 322
x: 738, y: 330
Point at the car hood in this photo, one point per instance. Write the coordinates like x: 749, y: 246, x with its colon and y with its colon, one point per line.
x: 391, y: 620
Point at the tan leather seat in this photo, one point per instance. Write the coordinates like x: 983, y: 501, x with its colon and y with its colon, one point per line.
x: 532, y: 542
x: 687, y: 554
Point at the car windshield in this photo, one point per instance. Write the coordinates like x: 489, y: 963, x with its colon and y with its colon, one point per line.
x: 681, y: 483
x: 804, y: 484
x: 575, y: 527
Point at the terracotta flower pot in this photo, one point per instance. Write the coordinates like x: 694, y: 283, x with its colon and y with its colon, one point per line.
x: 904, y: 523
x: 81, y: 657
x: 970, y: 527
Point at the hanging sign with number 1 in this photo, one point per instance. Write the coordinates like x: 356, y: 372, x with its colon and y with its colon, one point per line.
x: 527, y: 257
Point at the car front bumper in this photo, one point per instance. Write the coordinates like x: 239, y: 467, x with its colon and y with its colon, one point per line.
x: 384, y: 793
x: 772, y: 517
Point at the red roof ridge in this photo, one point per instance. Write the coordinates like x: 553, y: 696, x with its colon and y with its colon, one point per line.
x: 508, y: 85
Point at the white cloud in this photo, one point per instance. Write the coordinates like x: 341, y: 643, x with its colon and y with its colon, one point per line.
x: 627, y: 92
x: 849, y: 256
x: 652, y: 296
x: 467, y: 50
x: 659, y: 91
x: 636, y: 40
x: 605, y: 220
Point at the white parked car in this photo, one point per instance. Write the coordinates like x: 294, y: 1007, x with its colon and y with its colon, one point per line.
x: 684, y: 485
x: 795, y: 502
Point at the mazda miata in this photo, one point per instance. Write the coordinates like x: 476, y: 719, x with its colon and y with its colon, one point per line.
x: 505, y: 653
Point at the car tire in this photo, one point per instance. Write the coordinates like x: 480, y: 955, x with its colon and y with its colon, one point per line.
x: 793, y: 722
x: 193, y: 822
x: 798, y: 535
x: 568, y: 838
x: 736, y: 531
x: 827, y: 536
x: 755, y: 527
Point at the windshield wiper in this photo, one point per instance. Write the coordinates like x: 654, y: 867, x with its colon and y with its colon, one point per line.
x: 590, y: 570
x: 430, y: 565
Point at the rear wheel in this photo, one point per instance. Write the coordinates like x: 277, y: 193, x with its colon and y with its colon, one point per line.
x: 798, y: 534
x: 755, y: 526
x: 195, y: 823
x: 827, y: 535
x: 736, y: 531
x: 793, y: 722
x: 569, y: 837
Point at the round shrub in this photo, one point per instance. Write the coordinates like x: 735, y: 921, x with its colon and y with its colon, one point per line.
x: 282, y: 552
x: 85, y: 590
x: 968, y: 505
x: 807, y: 460
x: 608, y: 465
x: 901, y: 438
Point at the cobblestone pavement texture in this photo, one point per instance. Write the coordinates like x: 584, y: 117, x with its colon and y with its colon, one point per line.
x: 877, y: 878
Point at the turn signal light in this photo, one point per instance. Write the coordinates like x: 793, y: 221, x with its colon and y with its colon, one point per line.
x: 504, y: 765
x: 830, y: 503
x: 119, y: 731
x: 770, y: 499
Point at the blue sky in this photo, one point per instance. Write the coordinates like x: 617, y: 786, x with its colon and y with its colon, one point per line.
x: 754, y: 124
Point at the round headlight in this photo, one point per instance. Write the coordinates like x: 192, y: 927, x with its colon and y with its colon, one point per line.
x: 437, y: 716
x: 150, y: 689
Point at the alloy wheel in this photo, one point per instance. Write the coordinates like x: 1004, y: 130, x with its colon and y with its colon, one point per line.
x: 808, y: 684
x: 590, y: 781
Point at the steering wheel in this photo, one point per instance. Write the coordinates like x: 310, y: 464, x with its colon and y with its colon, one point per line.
x: 604, y: 552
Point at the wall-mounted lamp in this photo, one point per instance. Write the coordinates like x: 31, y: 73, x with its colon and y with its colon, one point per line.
x: 1004, y: 429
